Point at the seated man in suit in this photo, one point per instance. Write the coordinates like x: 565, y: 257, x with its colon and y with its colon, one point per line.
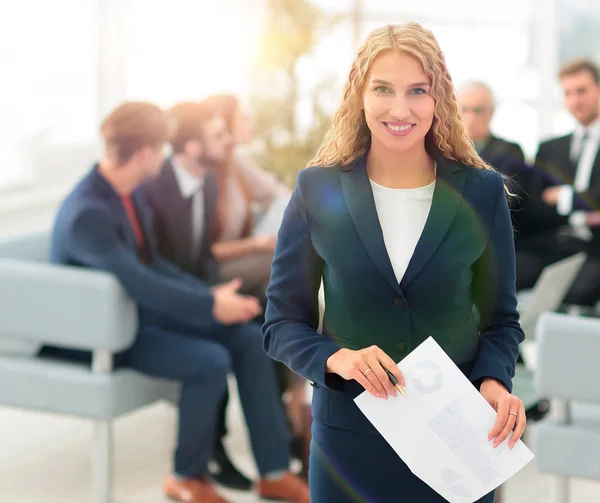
x: 565, y: 188
x: 183, y: 199
x: 183, y: 203
x: 478, y: 105
x: 188, y: 331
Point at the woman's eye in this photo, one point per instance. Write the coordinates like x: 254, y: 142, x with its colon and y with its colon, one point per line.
x: 382, y: 89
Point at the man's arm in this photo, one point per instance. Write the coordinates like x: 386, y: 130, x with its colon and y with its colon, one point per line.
x: 168, y: 268
x: 95, y: 243
x: 544, y: 175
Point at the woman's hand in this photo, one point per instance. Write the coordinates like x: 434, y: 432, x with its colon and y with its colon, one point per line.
x: 366, y: 366
x: 264, y: 243
x: 511, y: 413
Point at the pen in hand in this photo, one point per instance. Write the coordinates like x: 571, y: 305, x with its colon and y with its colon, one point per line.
x: 395, y: 382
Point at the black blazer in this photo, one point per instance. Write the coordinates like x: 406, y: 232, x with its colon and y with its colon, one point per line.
x: 553, y: 167
x: 459, y: 286
x: 173, y: 223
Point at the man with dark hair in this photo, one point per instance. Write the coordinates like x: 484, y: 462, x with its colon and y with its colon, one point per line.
x: 183, y: 201
x: 188, y: 331
x: 565, y: 192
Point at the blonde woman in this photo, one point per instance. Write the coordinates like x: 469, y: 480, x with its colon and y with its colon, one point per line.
x: 411, y: 234
x: 243, y: 187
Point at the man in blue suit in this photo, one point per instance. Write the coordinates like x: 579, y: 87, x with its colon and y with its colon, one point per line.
x: 188, y: 331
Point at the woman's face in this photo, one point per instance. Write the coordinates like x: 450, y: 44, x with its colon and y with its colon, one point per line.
x: 397, y: 102
x: 243, y: 129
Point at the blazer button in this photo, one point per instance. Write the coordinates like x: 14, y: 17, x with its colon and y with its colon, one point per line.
x: 314, y: 384
x: 401, y: 347
x: 398, y: 302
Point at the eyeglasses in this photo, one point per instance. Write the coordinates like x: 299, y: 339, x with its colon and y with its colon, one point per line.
x: 476, y: 110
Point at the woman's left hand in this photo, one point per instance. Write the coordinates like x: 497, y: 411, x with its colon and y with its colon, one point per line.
x: 511, y: 413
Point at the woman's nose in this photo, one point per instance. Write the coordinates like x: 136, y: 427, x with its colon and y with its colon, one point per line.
x: 400, y: 109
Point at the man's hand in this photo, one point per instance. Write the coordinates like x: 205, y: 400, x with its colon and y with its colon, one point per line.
x: 592, y: 219
x: 550, y: 195
x: 231, y: 308
x: 264, y: 243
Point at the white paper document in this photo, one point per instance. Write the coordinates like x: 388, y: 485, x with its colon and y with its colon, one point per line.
x: 440, y: 429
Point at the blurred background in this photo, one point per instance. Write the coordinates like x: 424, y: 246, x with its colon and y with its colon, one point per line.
x: 68, y: 62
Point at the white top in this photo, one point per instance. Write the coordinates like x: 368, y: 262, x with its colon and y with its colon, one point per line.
x: 188, y: 184
x: 402, y: 215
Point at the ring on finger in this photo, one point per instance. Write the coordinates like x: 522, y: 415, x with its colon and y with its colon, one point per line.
x: 513, y: 413
x: 368, y: 371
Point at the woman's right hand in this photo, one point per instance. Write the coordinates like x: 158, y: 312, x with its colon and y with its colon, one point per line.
x: 264, y: 243
x: 367, y: 367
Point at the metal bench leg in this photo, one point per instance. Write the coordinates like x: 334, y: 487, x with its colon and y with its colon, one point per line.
x: 102, y: 462
x: 561, y: 412
x: 102, y: 441
x: 561, y: 490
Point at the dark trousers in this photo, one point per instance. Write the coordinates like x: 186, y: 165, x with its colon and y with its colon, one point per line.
x: 283, y: 379
x: 541, y: 251
x: 200, y: 361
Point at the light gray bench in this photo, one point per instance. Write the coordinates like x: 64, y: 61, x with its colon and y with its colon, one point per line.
x: 70, y: 307
x: 567, y: 444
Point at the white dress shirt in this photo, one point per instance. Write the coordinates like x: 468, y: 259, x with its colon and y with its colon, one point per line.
x: 191, y: 186
x: 402, y: 215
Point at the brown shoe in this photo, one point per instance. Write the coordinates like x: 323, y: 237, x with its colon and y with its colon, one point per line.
x: 288, y: 488
x: 191, y: 491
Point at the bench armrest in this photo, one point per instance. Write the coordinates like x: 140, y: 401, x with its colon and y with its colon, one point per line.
x: 65, y: 306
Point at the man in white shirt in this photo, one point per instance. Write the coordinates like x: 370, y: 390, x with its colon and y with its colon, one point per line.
x: 183, y: 201
x: 565, y: 205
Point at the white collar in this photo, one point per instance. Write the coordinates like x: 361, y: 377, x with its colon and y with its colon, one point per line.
x: 593, y: 129
x: 188, y: 183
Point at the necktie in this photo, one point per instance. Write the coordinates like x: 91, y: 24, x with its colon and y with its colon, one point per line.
x: 576, y: 155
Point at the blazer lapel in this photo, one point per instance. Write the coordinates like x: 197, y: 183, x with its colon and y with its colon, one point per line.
x: 447, y: 197
x: 361, y: 205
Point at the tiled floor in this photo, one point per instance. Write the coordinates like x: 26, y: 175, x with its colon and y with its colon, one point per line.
x: 45, y: 459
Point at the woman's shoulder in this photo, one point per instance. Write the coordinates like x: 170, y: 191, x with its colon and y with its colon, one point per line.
x: 318, y: 175
x: 484, y: 179
x: 483, y: 189
x: 320, y: 172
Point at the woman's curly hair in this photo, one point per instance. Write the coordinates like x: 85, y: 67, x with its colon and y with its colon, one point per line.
x: 349, y: 138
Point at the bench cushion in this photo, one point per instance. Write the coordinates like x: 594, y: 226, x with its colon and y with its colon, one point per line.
x: 567, y: 449
x: 71, y: 388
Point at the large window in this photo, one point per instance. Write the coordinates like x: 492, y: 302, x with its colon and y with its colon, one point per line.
x: 66, y: 63
x: 181, y: 49
x: 579, y: 37
x: 49, y: 87
x: 579, y: 30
